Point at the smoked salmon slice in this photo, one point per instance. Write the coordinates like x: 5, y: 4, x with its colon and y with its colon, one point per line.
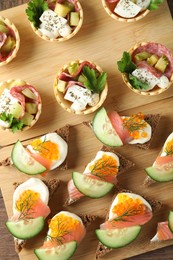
x: 163, y: 231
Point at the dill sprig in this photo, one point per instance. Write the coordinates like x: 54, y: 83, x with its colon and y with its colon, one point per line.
x: 25, y: 208
x: 134, y: 123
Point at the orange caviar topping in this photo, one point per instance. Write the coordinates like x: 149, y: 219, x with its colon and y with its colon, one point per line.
x: 26, y: 201
x: 169, y: 148
x: 134, y: 124
x: 62, y: 225
x: 105, y: 166
x: 128, y: 206
x: 46, y: 149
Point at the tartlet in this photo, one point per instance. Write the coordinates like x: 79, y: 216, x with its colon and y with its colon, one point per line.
x: 20, y: 105
x: 127, y: 10
x: 9, y: 41
x: 149, y: 69
x: 65, y: 81
x: 54, y: 19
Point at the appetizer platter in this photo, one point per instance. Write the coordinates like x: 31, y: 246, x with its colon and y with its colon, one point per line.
x: 39, y: 63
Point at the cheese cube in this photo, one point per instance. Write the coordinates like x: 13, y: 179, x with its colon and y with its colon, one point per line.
x: 65, y: 30
x: 145, y: 76
x: 127, y: 9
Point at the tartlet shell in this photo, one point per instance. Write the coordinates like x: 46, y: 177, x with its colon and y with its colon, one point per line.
x: 65, y: 104
x: 13, y: 27
x: 151, y: 92
x: 121, y: 19
x: 62, y: 39
x: 36, y: 117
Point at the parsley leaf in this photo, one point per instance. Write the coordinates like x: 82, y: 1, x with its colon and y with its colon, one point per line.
x: 14, y: 124
x: 125, y: 64
x: 34, y: 11
x: 137, y: 84
x: 93, y: 81
x: 154, y: 4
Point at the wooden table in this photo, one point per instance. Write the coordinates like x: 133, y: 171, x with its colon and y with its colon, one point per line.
x: 6, y: 245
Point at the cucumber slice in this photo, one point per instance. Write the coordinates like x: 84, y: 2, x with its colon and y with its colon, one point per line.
x: 25, y: 229
x: 24, y: 162
x: 119, y: 237
x: 104, y: 130
x: 170, y: 221
x: 90, y: 187
x: 160, y: 175
x: 63, y: 252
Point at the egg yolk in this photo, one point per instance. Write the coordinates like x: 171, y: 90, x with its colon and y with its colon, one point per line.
x: 134, y: 124
x: 128, y: 206
x: 46, y: 149
x: 62, y: 225
x: 169, y: 148
x: 105, y: 166
x: 27, y: 200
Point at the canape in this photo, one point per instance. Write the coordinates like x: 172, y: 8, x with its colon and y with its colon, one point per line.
x: 57, y: 20
x: 20, y: 105
x: 9, y: 41
x: 128, y: 10
x: 147, y: 69
x: 80, y: 87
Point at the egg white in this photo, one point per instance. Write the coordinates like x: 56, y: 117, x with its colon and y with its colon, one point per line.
x: 142, y: 140
x: 35, y: 185
x: 62, y: 147
x: 130, y: 195
x: 98, y: 156
x: 69, y: 214
x: 169, y: 138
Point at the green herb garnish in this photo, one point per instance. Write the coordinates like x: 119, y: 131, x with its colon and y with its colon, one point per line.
x: 154, y: 4
x: 34, y: 11
x: 92, y: 81
x: 137, y: 84
x: 14, y: 124
x: 125, y: 64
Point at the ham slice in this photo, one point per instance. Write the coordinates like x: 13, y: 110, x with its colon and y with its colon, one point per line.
x: 3, y: 38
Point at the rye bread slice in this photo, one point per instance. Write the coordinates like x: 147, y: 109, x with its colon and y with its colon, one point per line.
x: 103, y: 250
x: 87, y: 219
x: 148, y: 181
x: 125, y: 164
x: 151, y: 119
x: 64, y: 133
x: 52, y: 185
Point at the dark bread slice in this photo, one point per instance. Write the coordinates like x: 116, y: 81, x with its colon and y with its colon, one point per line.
x: 156, y: 205
x: 148, y: 181
x: 52, y: 185
x: 151, y: 119
x: 64, y: 133
x: 125, y: 164
x: 87, y: 219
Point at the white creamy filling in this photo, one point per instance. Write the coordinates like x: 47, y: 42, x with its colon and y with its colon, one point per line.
x: 53, y: 25
x: 146, y: 76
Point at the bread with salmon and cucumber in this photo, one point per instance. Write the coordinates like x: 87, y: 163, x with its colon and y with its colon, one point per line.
x: 162, y: 168
x: 30, y: 209
x: 127, y: 214
x: 65, y: 233
x: 115, y: 130
x: 99, y: 176
x: 42, y: 154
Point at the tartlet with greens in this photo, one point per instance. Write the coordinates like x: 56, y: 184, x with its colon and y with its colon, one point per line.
x: 55, y: 20
x: 80, y: 87
x: 147, y: 68
x: 20, y: 105
x: 9, y: 41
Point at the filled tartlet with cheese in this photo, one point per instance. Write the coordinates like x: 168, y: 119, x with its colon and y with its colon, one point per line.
x: 56, y: 20
x: 129, y: 10
x: 147, y: 69
x: 98, y: 177
x: 162, y: 168
x: 80, y: 87
x: 66, y: 231
x: 9, y: 41
x: 30, y: 208
x: 127, y: 214
x: 115, y: 130
x: 20, y: 105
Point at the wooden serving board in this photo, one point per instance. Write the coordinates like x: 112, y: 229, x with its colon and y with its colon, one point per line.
x: 101, y: 40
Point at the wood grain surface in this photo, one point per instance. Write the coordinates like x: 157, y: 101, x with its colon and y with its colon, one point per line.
x: 7, y: 246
